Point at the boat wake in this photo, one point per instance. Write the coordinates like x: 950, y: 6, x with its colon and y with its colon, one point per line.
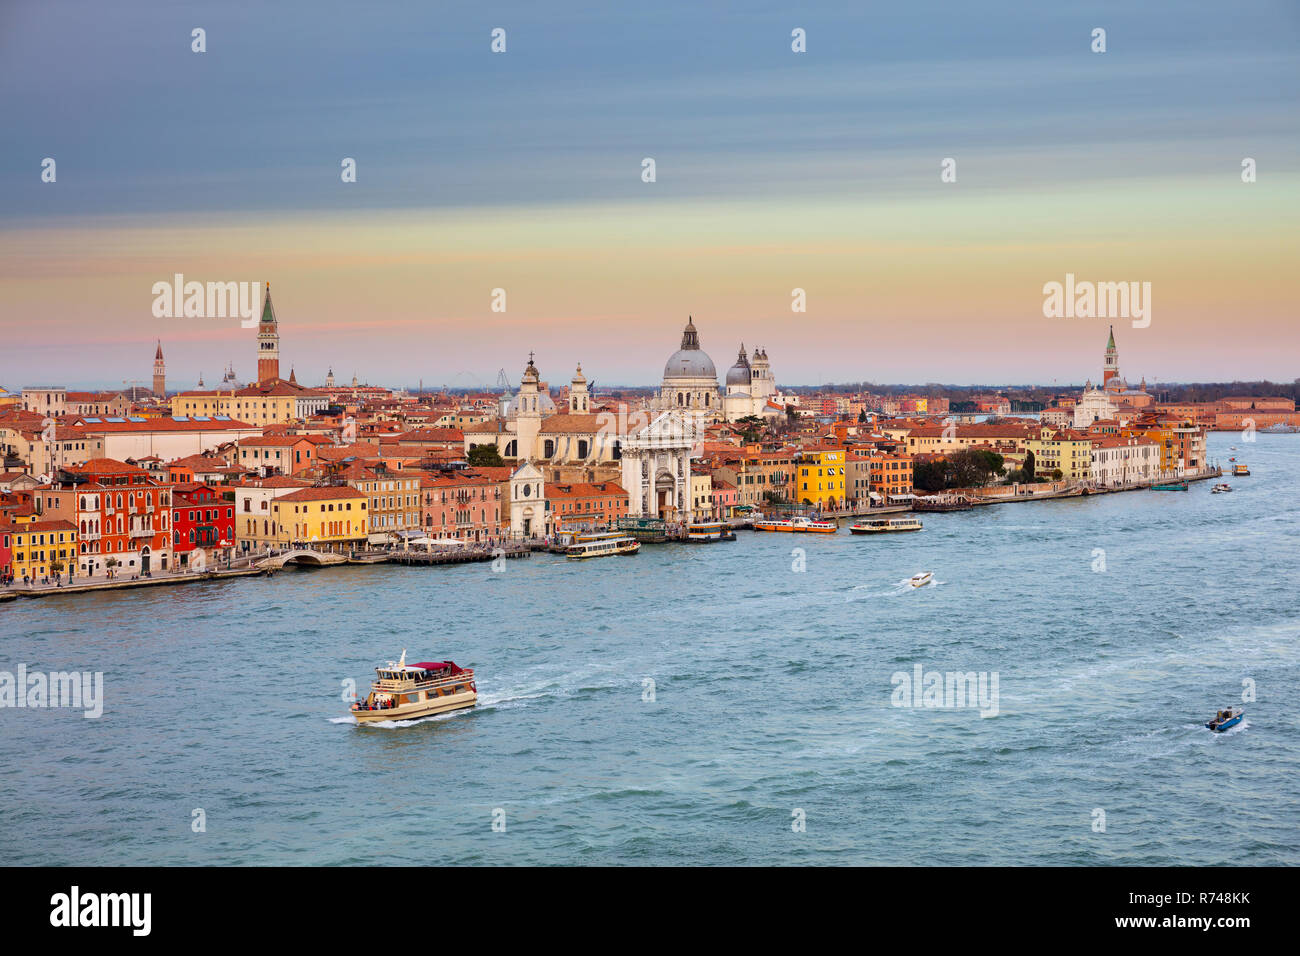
x: 390, y: 724
x: 863, y: 592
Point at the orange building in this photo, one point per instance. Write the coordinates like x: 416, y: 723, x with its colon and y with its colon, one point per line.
x: 580, y: 505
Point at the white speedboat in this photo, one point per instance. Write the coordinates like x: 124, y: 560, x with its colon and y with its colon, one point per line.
x: 1220, y: 488
x: 922, y: 579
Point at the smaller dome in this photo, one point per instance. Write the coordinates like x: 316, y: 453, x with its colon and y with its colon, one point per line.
x: 740, y: 373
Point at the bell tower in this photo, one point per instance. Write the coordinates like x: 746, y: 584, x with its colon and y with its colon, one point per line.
x: 159, y: 373
x: 1111, y: 369
x: 268, y: 343
x: 579, y: 399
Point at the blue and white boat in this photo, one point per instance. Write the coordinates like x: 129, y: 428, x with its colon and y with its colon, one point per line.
x: 1225, y: 720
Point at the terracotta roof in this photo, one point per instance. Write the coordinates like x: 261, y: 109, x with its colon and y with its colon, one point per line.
x: 583, y: 489
x: 321, y: 494
x: 56, y: 524
x: 105, y: 466
x: 576, y: 424
x: 160, y: 425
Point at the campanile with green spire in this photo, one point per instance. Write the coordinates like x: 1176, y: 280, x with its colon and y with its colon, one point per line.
x: 1111, y: 368
x: 268, y: 343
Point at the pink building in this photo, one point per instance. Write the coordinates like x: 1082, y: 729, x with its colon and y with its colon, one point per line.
x: 462, y: 506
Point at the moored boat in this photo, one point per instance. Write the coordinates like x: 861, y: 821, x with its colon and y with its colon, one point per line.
x: 922, y: 579
x: 709, y: 531
x: 1170, y: 486
x: 408, y: 691
x: 796, y: 524
x: 883, y: 525
x: 1240, y: 471
x: 602, y: 545
x: 1225, y: 720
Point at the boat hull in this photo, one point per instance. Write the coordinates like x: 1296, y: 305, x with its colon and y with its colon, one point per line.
x: 1226, y: 725
x: 856, y: 530
x: 423, y: 708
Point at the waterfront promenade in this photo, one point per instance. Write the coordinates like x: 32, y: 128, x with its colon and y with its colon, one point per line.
x: 261, y: 565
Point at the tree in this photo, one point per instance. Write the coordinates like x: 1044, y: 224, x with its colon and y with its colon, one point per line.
x: 972, y: 467
x: 484, y: 456
x: 1056, y: 474
x: 930, y: 475
x: 1028, y: 467
x: 750, y: 429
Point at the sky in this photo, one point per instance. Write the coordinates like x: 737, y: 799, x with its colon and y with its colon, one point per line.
x: 774, y: 171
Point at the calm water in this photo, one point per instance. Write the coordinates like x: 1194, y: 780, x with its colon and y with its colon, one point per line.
x: 772, y: 692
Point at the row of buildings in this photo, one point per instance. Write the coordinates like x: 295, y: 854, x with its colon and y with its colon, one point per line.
x: 98, y: 485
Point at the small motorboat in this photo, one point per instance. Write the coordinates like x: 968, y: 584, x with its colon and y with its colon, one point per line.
x: 1232, y: 459
x: 1220, y: 488
x: 922, y: 579
x: 1225, y: 720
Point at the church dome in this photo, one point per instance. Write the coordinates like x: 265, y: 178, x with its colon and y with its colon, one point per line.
x: 690, y: 361
x: 545, y: 405
x: 740, y: 373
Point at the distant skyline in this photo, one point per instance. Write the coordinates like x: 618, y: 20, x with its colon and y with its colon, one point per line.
x: 775, y: 170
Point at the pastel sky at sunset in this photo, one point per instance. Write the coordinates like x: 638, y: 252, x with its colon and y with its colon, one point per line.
x: 775, y: 170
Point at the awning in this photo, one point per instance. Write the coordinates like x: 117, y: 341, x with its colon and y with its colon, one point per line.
x: 435, y: 666
x: 901, y: 497
x: 874, y: 496
x: 378, y: 538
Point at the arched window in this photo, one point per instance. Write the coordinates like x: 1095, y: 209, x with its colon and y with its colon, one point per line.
x: 549, y: 448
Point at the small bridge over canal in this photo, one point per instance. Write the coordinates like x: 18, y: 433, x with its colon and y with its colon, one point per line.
x: 303, y: 556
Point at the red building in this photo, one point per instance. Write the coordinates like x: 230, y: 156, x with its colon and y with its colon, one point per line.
x: 202, y: 520
x: 122, y: 516
x: 6, y: 552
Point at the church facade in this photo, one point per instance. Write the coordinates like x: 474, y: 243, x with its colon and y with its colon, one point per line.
x: 1113, y: 397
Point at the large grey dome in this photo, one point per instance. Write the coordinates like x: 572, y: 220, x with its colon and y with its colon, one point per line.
x: 690, y: 361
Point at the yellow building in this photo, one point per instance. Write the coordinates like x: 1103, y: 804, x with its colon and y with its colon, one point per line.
x: 1164, y: 437
x: 820, y: 477
x: 329, y: 519
x: 701, y: 497
x: 270, y: 403
x: 40, y: 547
x: 1062, y: 449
